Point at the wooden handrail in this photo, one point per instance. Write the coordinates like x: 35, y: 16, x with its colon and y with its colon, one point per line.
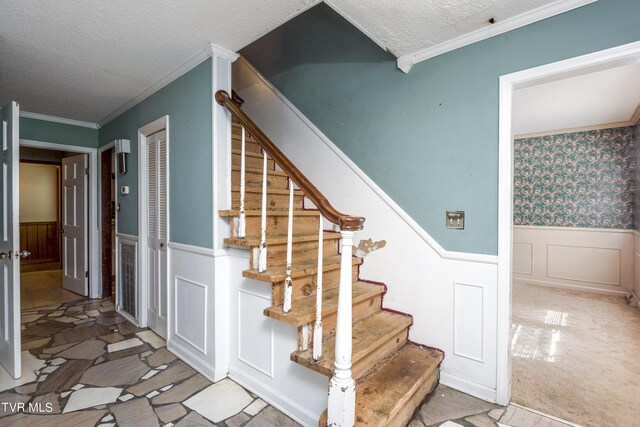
x: 345, y: 222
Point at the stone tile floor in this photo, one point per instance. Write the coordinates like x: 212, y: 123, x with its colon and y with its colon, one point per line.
x: 85, y: 365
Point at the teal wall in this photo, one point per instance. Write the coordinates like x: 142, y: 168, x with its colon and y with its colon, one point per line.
x: 429, y: 138
x: 188, y: 102
x: 59, y: 133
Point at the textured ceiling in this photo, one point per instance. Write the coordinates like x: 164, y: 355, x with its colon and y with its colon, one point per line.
x: 83, y: 59
x: 407, y: 26
x: 593, y: 99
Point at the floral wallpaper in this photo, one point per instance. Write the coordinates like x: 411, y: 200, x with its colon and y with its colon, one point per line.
x: 581, y: 179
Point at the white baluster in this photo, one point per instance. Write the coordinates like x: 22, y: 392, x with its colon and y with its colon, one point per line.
x: 287, y: 280
x: 342, y: 387
x: 262, y: 258
x: 317, y: 329
x: 242, y: 220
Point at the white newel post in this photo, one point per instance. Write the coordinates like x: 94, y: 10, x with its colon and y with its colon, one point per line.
x: 342, y: 387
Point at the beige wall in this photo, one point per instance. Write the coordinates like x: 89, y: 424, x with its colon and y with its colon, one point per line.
x: 38, y: 192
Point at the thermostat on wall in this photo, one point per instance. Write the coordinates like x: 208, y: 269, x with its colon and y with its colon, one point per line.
x: 124, y: 189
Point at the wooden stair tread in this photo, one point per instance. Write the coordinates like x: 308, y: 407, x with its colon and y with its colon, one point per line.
x: 278, y: 274
x: 256, y: 170
x: 368, y: 334
x: 270, y: 190
x: 255, y: 240
x: 303, y: 310
x: 392, y: 392
x: 249, y: 154
x: 270, y: 212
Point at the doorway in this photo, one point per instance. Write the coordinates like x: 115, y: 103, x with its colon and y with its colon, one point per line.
x: 108, y: 221
x: 593, y: 262
x: 54, y: 272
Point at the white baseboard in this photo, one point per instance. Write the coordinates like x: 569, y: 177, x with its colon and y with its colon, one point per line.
x: 274, y: 398
x: 196, y: 363
x: 473, y: 389
x: 558, y: 285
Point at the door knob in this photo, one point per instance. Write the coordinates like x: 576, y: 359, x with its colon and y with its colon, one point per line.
x: 5, y: 255
x: 24, y: 253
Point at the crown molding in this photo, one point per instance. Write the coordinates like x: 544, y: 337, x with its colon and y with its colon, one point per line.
x: 46, y: 118
x: 405, y: 62
x: 210, y: 50
x: 575, y: 130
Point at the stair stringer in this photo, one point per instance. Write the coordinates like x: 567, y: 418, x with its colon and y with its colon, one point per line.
x: 452, y: 296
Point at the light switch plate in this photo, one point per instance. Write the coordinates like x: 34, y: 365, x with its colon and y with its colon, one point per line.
x: 455, y: 220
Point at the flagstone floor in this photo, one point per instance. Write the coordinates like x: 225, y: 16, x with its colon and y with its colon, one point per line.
x: 85, y: 365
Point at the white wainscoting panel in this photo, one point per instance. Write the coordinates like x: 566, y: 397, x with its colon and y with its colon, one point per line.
x: 419, y: 274
x: 255, y: 331
x: 468, y: 321
x: 596, y: 260
x: 191, y: 312
x: 523, y: 258
x: 191, y: 294
x: 260, y: 350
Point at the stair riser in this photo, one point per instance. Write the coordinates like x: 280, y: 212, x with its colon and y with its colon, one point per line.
x: 402, y: 417
x: 276, y: 225
x: 305, y: 286
x: 274, y: 201
x: 251, y: 162
x: 301, y: 251
x: 253, y: 147
x: 366, y: 364
x: 360, y: 311
x: 254, y: 179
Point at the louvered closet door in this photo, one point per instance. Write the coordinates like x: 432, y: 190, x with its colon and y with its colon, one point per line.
x: 157, y: 231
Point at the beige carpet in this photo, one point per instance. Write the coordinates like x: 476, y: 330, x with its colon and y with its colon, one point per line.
x: 576, y: 356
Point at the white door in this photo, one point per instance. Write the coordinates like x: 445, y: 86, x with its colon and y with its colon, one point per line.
x: 157, y: 231
x: 9, y: 241
x: 75, y: 275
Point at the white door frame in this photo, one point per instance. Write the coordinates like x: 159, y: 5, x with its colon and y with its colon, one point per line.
x: 143, y: 214
x: 617, y: 56
x: 101, y: 150
x: 94, y: 237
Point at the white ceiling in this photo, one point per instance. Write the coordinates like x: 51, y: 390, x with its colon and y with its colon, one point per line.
x: 588, y: 100
x: 83, y: 59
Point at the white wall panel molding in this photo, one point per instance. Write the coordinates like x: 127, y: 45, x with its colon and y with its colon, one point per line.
x: 419, y: 273
x: 595, y: 260
x: 191, y: 249
x: 255, y: 349
x: 191, y: 297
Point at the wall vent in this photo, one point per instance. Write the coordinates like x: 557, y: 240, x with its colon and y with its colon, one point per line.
x: 128, y: 276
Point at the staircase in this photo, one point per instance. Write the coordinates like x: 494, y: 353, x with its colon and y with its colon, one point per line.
x: 343, y: 330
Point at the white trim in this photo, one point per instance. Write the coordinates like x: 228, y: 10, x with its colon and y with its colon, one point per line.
x: 188, y: 65
x: 202, y: 349
x: 458, y: 256
x: 628, y: 123
x: 93, y: 290
x: 194, y: 362
x: 356, y: 24
x: 585, y: 229
x: 273, y: 397
x: 405, y: 62
x: 508, y: 83
x: 635, y: 118
x: 477, y: 390
x: 558, y: 285
x: 191, y: 249
x: 101, y: 150
x: 128, y: 237
x: 157, y: 125
x: 46, y: 118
